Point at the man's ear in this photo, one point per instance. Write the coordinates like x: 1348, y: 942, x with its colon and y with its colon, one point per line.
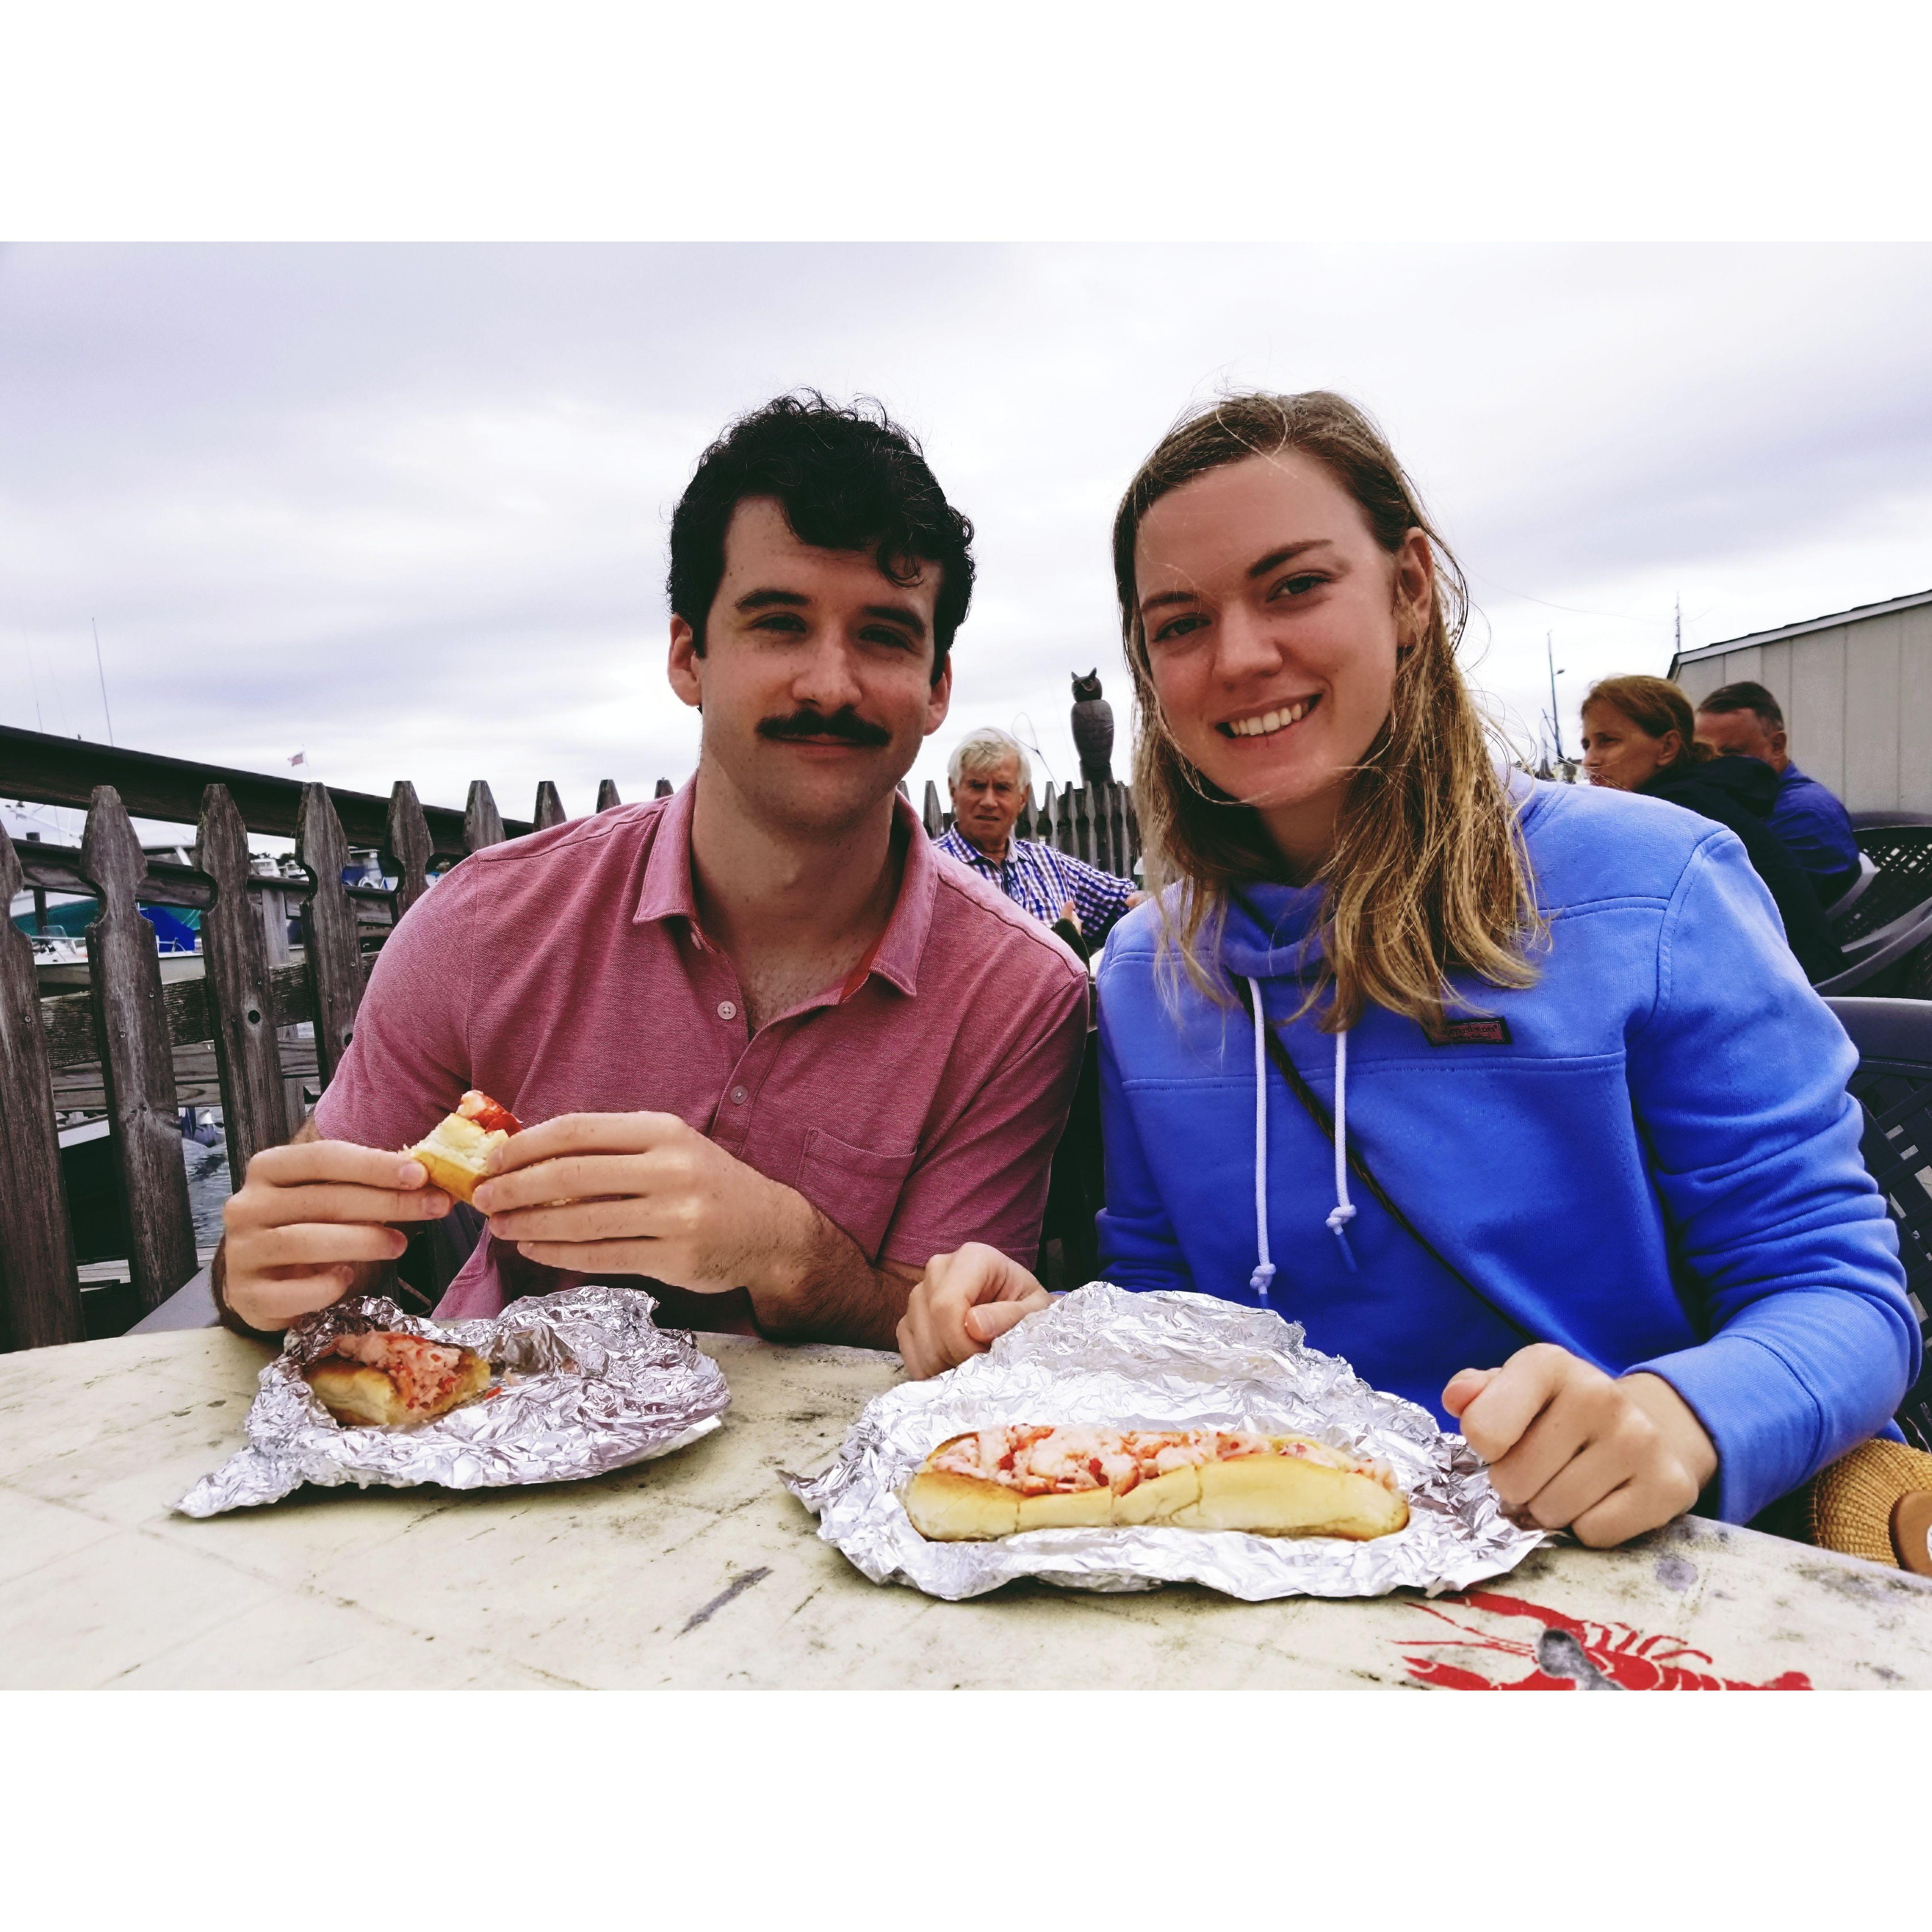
x: 940, y: 701
x: 686, y: 669
x: 1777, y: 742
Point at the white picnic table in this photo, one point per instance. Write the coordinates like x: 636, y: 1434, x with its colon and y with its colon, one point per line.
x: 701, y: 1571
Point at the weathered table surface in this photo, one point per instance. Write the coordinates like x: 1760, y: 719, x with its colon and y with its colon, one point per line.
x: 701, y: 1571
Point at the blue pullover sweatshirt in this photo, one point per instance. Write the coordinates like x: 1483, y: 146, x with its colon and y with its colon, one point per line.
x: 1652, y: 1161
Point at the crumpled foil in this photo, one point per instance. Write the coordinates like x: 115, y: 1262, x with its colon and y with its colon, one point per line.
x: 586, y: 1383
x: 1164, y: 1360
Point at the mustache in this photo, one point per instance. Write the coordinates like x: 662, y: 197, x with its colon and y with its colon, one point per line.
x: 844, y: 723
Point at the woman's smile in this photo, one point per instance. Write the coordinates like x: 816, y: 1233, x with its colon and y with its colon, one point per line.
x: 1271, y: 723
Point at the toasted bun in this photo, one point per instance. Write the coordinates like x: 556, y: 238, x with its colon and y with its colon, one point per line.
x: 359, y: 1395
x: 454, y: 1153
x: 1264, y: 1494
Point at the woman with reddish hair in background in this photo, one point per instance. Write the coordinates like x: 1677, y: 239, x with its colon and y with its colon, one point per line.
x: 1637, y: 736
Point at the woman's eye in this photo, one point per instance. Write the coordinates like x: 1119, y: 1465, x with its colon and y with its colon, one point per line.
x: 1295, y: 586
x: 1178, y: 627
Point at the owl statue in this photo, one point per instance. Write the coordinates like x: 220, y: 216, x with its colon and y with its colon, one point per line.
x: 1093, y: 729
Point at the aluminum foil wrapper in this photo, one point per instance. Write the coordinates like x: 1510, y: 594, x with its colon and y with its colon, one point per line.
x: 586, y: 1382
x: 1165, y: 1360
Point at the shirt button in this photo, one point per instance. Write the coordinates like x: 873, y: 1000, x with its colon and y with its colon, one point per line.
x: 737, y: 1096
x: 727, y: 1009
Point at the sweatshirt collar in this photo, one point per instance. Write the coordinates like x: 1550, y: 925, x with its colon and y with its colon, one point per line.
x: 1274, y: 932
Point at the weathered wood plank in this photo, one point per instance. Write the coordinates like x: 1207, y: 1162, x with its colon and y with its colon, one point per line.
x: 606, y: 795
x: 665, y: 788
x: 408, y: 852
x: 40, y: 1293
x: 53, y: 770
x: 130, y: 1024
x: 482, y: 822
x: 78, y: 1088
x: 929, y: 811
x: 67, y: 1019
x: 60, y: 868
x: 335, y: 961
x: 254, y: 1110
x: 549, y: 809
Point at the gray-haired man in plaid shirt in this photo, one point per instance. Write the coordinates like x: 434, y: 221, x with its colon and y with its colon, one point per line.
x: 990, y: 778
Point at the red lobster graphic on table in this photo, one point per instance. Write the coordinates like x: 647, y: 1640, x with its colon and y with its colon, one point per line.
x: 1570, y: 1654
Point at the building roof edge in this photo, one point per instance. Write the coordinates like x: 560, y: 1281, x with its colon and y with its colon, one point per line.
x: 1857, y: 614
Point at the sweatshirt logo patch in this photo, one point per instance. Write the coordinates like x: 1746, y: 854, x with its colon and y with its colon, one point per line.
x: 1472, y: 1032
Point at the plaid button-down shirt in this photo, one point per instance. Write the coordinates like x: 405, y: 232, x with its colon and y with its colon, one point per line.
x: 1042, y: 879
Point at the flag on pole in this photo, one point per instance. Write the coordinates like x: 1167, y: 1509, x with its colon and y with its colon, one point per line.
x: 300, y: 758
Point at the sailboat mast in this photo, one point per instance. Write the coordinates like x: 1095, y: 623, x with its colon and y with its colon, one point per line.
x: 1555, y: 716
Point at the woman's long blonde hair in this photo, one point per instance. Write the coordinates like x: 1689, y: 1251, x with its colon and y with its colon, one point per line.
x: 1429, y: 874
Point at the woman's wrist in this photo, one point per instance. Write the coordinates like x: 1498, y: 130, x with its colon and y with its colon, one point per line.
x: 1676, y: 1422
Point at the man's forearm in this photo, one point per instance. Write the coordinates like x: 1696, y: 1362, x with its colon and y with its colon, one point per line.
x: 818, y: 1287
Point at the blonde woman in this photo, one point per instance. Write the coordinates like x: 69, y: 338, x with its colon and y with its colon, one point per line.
x: 1543, y: 1128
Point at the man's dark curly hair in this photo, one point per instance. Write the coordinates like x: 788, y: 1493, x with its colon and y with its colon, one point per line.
x: 847, y: 479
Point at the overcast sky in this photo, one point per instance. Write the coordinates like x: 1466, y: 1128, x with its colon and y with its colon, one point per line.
x: 403, y: 508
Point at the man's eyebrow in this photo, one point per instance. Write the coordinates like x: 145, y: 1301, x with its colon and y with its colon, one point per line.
x: 1260, y: 568
x: 763, y: 600
x: 899, y: 613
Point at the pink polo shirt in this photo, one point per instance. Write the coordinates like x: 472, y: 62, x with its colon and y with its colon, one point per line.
x: 565, y: 973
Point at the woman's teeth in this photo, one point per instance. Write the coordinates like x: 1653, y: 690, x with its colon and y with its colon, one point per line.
x: 1271, y: 721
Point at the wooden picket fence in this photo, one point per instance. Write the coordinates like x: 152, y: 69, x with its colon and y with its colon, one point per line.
x: 246, y: 1004
x: 251, y: 997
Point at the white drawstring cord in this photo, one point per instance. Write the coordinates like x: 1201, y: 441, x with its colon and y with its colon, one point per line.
x: 1263, y: 1272
x: 1343, y: 1212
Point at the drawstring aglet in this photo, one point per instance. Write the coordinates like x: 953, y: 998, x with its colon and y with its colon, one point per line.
x: 1338, y: 1218
x: 1259, y: 1280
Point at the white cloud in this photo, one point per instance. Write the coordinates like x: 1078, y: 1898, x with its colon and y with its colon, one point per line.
x: 405, y: 507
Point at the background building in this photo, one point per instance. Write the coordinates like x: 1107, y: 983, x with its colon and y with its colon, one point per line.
x: 1856, y: 688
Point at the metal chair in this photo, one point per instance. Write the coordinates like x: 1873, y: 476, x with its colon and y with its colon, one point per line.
x: 1862, y: 820
x: 1884, y: 926
x: 1893, y: 1084
x: 1844, y: 902
x: 1903, y: 854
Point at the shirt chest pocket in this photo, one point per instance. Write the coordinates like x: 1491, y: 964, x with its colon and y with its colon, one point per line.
x: 853, y: 1187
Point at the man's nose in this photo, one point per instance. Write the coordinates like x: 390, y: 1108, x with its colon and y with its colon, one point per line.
x: 826, y: 678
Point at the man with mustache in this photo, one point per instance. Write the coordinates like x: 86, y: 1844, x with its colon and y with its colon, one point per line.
x: 773, y: 1053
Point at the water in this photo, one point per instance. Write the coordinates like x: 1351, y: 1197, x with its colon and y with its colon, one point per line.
x: 210, y: 1183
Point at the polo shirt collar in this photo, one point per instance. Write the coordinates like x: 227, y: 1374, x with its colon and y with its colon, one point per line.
x: 667, y: 892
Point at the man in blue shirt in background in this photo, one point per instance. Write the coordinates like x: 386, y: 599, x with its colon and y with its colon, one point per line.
x: 991, y: 778
x: 1745, y: 720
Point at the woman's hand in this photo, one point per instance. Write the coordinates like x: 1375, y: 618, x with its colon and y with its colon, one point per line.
x: 961, y: 1304
x: 1573, y: 1449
